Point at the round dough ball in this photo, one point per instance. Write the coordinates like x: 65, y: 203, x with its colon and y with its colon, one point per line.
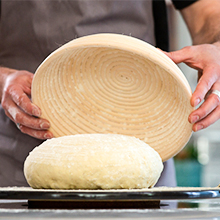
x: 93, y: 161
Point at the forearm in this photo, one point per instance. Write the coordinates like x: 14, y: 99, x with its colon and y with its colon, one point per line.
x: 203, y: 21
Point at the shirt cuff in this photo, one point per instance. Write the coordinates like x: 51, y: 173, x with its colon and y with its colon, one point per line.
x: 178, y: 4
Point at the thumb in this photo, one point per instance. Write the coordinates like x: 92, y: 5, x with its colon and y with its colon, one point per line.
x: 179, y: 56
x: 189, y: 55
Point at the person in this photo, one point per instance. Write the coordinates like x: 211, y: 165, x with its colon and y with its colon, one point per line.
x: 31, y: 29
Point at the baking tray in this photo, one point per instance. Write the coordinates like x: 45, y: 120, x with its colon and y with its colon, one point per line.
x: 156, y: 193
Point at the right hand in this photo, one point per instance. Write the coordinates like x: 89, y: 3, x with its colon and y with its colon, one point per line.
x: 205, y: 59
x: 16, y: 90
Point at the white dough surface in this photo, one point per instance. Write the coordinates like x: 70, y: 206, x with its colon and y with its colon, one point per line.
x: 93, y: 161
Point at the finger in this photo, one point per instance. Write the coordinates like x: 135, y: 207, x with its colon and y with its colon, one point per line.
x: 207, y: 121
x: 36, y: 133
x: 199, y: 75
x: 188, y: 55
x: 17, y: 124
x: 205, y: 109
x: 22, y: 100
x: 22, y: 118
x: 179, y: 56
x: 209, y: 77
x: 8, y: 114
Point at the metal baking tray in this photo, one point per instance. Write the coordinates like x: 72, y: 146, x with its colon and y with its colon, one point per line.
x: 156, y: 193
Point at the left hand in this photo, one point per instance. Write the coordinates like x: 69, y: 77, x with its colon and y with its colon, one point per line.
x: 206, y: 59
x: 16, y: 91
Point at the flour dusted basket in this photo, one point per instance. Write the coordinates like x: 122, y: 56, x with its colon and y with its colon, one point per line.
x: 110, y: 83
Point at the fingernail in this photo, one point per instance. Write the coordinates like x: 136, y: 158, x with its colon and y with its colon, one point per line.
x: 196, y: 102
x: 194, y: 119
x: 48, y: 135
x: 36, y: 112
x: 199, y: 127
x: 45, y: 125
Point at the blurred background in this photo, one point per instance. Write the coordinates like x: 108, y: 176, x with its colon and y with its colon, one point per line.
x: 198, y: 164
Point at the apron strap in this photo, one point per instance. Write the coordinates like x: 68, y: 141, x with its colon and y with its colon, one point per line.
x: 160, y: 25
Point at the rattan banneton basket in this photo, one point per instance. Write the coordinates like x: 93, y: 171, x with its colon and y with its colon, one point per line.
x: 111, y: 83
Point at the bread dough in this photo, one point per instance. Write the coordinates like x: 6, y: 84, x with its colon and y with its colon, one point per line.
x: 93, y: 161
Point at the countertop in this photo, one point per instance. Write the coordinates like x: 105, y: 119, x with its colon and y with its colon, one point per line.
x: 201, y: 209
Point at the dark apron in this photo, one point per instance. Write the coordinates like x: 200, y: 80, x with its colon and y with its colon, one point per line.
x: 30, y: 30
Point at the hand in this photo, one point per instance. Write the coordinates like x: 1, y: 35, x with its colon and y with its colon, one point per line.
x: 206, y: 59
x: 16, y: 91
